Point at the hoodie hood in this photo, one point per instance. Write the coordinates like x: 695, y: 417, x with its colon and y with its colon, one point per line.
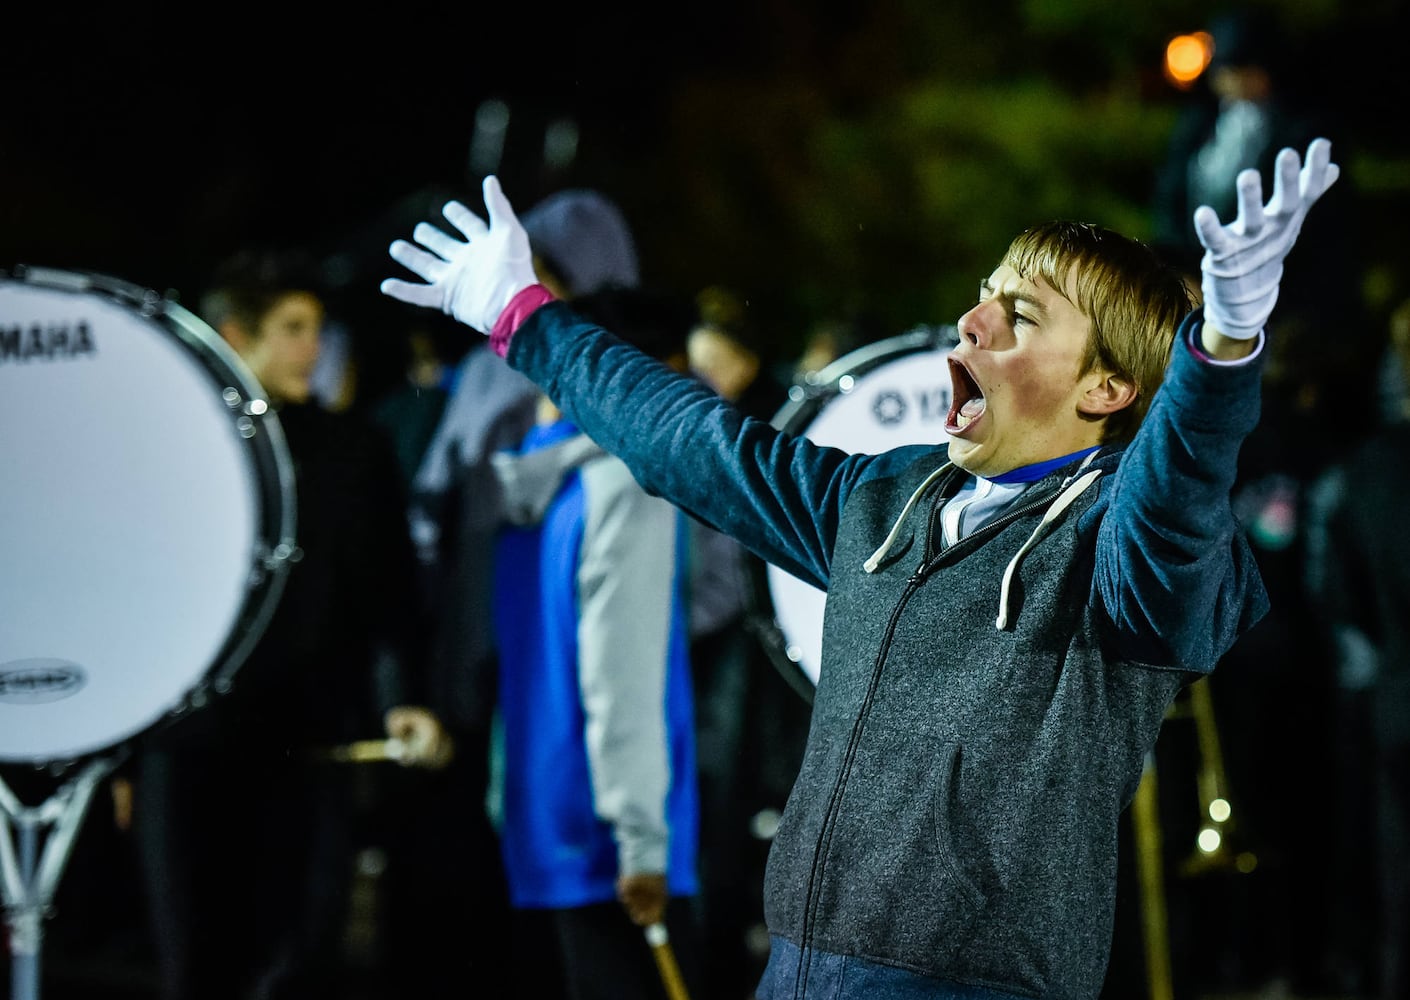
x: 585, y: 238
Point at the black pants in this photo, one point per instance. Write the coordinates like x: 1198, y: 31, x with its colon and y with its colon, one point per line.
x: 446, y: 923
x: 1393, y: 822
x: 597, y: 953
x: 247, y: 862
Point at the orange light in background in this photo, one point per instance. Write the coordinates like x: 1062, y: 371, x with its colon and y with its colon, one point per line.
x: 1186, y: 57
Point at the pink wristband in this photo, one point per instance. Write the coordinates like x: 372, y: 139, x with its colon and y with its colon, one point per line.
x: 525, y: 301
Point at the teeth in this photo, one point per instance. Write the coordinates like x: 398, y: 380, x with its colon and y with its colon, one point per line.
x: 969, y: 412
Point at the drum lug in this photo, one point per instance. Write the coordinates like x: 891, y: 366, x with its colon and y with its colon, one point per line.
x: 203, y: 694
x: 234, y: 399
x: 274, y: 560
x: 807, y: 392
x: 284, y: 552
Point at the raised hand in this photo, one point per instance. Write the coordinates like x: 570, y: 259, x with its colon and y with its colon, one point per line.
x: 472, y: 279
x: 1243, y: 261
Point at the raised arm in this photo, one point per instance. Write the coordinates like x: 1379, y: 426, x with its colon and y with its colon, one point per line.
x: 1173, y: 564
x: 779, y: 495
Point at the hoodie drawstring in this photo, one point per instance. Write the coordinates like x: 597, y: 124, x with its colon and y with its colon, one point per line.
x: 871, y: 564
x: 1071, y: 491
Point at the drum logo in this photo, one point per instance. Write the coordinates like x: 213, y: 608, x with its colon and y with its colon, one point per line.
x: 32, y: 681
x: 46, y: 342
x: 890, y: 407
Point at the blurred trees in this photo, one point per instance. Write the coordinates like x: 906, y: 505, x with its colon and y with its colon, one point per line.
x: 825, y: 157
x: 880, y: 157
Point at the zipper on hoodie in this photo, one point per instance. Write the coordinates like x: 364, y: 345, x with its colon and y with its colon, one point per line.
x: 913, y: 583
x: 934, y: 529
x: 829, y: 823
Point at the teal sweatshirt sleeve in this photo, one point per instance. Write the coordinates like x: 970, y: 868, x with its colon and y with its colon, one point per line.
x: 779, y: 495
x: 1173, y: 568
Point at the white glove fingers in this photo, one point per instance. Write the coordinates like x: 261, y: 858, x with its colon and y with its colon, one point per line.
x: 1319, y: 173
x: 1243, y: 268
x: 501, y: 212
x: 465, y: 220
x: 1249, y: 188
x: 1211, y: 234
x: 437, y: 241
x: 417, y: 260
x: 1330, y: 178
x: 1287, y: 184
x: 472, y: 281
x: 412, y: 293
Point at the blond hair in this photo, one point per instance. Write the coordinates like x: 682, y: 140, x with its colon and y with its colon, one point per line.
x: 1134, y: 300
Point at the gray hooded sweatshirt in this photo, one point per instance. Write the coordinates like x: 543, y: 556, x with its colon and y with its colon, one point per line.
x: 984, y: 708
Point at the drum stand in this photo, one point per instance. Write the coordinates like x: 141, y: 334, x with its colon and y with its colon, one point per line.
x: 30, y: 864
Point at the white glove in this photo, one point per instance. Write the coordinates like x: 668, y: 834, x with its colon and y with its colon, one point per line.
x: 1243, y: 261
x: 475, y: 280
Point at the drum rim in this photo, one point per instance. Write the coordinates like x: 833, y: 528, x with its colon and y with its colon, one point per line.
x: 280, y: 491
x: 806, y: 400
x: 794, y: 417
x: 268, y: 452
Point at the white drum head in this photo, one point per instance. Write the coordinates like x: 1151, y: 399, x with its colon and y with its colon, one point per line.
x: 888, y: 394
x: 132, y: 517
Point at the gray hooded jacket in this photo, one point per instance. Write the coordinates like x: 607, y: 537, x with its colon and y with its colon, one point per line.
x: 983, y: 709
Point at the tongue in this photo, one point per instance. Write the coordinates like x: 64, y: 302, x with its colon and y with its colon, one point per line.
x: 972, y: 408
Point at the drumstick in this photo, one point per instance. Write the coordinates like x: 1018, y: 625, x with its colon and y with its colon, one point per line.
x: 361, y: 751
x: 660, y: 942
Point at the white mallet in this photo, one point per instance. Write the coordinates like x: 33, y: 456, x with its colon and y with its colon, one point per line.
x: 660, y: 941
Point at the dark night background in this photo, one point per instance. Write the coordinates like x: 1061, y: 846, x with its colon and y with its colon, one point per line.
x: 823, y: 158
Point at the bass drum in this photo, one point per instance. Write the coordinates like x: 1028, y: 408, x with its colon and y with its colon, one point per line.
x: 147, y: 521
x: 894, y: 392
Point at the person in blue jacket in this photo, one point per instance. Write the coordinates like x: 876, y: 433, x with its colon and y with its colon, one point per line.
x: 600, y: 816
x: 1010, y: 614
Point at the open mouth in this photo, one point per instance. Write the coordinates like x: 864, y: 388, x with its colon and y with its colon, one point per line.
x: 967, y: 403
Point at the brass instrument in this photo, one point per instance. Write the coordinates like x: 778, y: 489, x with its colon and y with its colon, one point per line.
x: 1215, y: 841
x: 1214, y: 849
x: 1145, y: 821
